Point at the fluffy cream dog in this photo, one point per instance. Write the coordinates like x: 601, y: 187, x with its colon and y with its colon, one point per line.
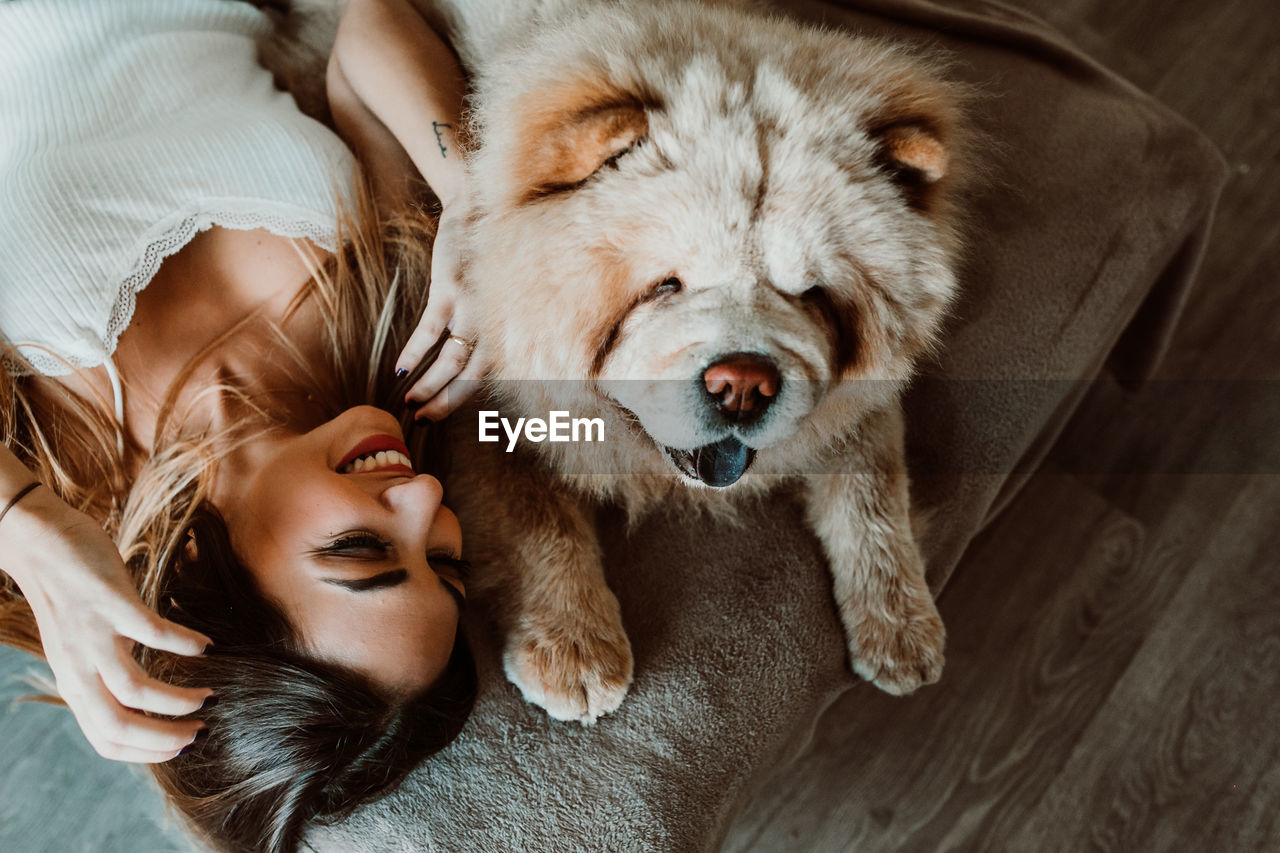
x: 727, y: 236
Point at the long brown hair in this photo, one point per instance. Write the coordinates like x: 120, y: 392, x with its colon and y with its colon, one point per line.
x: 289, y: 739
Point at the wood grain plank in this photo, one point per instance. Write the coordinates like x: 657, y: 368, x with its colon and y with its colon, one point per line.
x: 1184, y: 754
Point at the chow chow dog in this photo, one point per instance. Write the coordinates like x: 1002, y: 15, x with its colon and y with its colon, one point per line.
x: 728, y: 236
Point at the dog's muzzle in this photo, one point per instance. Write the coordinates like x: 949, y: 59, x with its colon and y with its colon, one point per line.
x: 740, y: 387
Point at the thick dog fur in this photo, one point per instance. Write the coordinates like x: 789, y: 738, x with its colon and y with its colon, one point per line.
x: 795, y: 183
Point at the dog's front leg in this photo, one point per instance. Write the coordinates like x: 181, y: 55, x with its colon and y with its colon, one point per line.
x: 860, y: 512
x: 564, y: 644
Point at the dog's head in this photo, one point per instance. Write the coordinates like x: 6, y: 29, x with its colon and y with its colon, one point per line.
x: 718, y: 221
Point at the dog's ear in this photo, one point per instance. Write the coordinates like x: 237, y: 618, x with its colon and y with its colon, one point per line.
x: 571, y: 131
x: 914, y: 153
x: 915, y: 130
x: 915, y: 156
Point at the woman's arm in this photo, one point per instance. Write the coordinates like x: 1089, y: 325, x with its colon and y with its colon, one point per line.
x: 395, y: 92
x: 394, y: 84
x: 90, y: 616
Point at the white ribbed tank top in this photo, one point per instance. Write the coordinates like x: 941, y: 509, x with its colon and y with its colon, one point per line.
x: 126, y: 127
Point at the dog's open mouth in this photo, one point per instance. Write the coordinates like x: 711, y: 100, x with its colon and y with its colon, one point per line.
x: 720, y: 464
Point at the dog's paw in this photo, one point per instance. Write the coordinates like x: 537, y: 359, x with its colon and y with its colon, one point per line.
x: 575, y: 672
x: 899, y: 655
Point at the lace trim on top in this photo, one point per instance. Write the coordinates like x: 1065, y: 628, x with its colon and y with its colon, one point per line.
x: 161, y: 241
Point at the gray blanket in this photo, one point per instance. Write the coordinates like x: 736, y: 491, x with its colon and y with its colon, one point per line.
x: 1082, y: 244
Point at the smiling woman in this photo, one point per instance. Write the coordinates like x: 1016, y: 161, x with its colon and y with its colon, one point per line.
x: 317, y: 559
x: 238, y: 570
x: 320, y: 564
x: 329, y: 525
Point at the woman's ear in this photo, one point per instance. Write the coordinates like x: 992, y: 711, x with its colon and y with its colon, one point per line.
x: 190, y: 549
x: 567, y: 133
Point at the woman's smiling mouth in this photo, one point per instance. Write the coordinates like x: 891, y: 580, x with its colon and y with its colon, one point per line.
x: 381, y: 453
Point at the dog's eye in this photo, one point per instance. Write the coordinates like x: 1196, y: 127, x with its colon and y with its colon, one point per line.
x: 668, y: 286
x: 612, y: 162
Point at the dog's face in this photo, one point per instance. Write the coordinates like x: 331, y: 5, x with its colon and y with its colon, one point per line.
x: 718, y: 230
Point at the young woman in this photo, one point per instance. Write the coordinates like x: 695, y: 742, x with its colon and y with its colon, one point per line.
x: 189, y: 332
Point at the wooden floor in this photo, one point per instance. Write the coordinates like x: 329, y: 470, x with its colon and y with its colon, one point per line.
x: 1113, y: 680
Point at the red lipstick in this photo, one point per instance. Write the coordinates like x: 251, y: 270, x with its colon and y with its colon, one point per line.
x: 373, y: 444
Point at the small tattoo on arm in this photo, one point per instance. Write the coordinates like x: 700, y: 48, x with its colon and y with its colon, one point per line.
x: 439, y: 127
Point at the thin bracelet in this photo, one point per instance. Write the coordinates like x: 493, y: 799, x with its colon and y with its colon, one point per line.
x: 19, y: 496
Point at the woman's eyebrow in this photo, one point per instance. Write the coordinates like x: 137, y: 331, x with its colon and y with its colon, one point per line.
x: 382, y: 580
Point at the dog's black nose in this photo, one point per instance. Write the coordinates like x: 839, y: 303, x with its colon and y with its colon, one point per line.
x: 743, y: 386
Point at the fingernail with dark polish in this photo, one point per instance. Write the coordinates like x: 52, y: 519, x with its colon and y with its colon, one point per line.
x: 200, y: 735
x: 210, y: 702
x: 208, y: 648
x: 402, y: 372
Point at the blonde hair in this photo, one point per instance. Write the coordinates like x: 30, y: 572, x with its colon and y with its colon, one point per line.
x: 368, y: 295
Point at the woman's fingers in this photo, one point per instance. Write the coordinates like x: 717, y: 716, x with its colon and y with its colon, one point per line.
x: 442, y: 300
x: 133, y: 688
x: 115, y: 730
x: 458, y: 390
x: 101, y: 689
x: 134, y: 755
x: 449, y: 364
x: 142, y: 624
x: 434, y: 319
x: 89, y: 614
x: 454, y: 355
x: 115, y: 752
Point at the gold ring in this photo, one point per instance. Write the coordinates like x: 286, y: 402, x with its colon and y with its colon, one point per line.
x: 470, y: 345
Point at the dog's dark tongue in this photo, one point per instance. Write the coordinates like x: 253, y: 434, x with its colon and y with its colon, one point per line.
x: 722, y: 463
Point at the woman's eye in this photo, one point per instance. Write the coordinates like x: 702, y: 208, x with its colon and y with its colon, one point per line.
x: 452, y: 566
x: 365, y: 545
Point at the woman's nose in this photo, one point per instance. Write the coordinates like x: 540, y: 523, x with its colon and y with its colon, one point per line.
x: 418, y: 498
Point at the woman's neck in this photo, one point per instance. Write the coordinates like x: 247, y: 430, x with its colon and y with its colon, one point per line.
x: 223, y: 299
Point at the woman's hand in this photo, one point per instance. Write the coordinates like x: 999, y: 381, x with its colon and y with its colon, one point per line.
x: 455, y: 374
x: 90, y: 616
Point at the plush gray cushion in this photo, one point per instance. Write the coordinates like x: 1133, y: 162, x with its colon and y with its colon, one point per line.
x: 1082, y: 241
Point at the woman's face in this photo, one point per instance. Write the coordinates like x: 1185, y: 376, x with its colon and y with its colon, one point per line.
x: 353, y: 546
